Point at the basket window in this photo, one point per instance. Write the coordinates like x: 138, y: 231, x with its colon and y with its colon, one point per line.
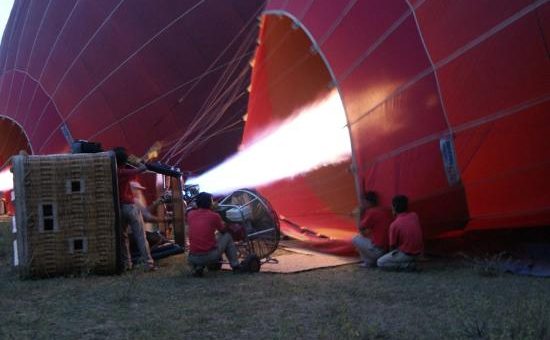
x: 75, y: 186
x: 47, y: 218
x: 48, y: 224
x: 78, y: 245
x: 47, y: 210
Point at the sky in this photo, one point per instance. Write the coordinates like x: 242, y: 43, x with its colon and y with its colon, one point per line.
x: 5, y: 9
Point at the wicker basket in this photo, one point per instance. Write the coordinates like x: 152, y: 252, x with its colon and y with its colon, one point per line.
x: 66, y: 214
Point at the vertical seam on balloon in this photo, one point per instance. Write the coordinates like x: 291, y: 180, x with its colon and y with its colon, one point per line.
x: 13, y: 121
x: 199, y: 138
x: 295, y: 21
x: 7, y: 47
x: 204, y: 139
x: 16, y: 113
x: 467, y: 160
x: 50, y: 54
x: 78, y: 56
x: 337, y: 22
x: 215, y: 119
x: 234, y: 96
x: 376, y: 44
x: 459, y: 52
x: 39, y: 85
x: 542, y: 35
x: 176, y: 144
x: 311, y: 39
x: 178, y: 87
x: 285, y: 3
x: 121, y: 65
x: 395, y: 93
x: 219, y: 56
x: 434, y: 70
x: 490, y: 33
x: 355, y: 167
x: 462, y: 127
x: 306, y: 9
x: 24, y: 120
x: 22, y: 129
x: 203, y: 112
x: 170, y: 153
x: 336, y: 84
x: 17, y: 55
x: 8, y: 98
x: 502, y: 113
x: 246, y: 24
x: 280, y: 43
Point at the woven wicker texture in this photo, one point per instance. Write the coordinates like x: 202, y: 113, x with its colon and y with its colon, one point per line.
x: 69, y: 221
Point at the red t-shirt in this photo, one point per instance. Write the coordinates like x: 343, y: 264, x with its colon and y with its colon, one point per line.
x: 377, y: 220
x: 9, y: 204
x: 202, y: 226
x: 125, y: 176
x: 406, y: 234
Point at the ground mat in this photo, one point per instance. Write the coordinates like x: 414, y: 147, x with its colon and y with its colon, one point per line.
x: 289, y: 258
x: 299, y: 260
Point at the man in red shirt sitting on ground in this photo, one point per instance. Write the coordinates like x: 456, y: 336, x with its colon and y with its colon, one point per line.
x: 405, y: 238
x: 372, y: 241
x: 205, y: 247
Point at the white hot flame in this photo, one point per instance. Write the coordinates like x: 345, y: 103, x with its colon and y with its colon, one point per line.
x: 314, y: 137
x: 6, y: 180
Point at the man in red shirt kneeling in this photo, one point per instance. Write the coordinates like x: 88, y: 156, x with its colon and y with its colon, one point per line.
x: 372, y: 241
x: 205, y: 247
x: 405, y: 238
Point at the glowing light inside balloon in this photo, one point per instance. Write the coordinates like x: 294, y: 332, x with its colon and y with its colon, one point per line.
x: 314, y: 137
x: 6, y: 180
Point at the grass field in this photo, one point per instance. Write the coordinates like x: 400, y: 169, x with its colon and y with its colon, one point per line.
x: 445, y: 300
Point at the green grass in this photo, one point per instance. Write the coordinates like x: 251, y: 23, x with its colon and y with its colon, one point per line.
x: 446, y: 300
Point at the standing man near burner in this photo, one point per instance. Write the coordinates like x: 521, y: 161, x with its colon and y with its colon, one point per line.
x: 131, y: 215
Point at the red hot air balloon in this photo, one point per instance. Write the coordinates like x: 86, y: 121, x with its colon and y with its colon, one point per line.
x: 445, y: 102
x: 127, y: 73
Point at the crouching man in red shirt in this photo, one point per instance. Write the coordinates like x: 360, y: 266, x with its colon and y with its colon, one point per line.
x: 372, y: 241
x: 405, y: 238
x: 205, y: 247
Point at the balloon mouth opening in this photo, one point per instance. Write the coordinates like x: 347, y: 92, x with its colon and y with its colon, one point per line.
x: 13, y: 139
x: 293, y: 90
x: 296, y: 121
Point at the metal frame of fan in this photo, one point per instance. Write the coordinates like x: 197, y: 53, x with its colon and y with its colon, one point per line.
x: 259, y: 223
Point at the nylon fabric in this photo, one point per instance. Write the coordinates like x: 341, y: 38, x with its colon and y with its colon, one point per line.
x: 412, y: 75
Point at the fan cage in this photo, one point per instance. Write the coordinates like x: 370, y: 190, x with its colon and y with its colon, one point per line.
x: 258, y: 219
